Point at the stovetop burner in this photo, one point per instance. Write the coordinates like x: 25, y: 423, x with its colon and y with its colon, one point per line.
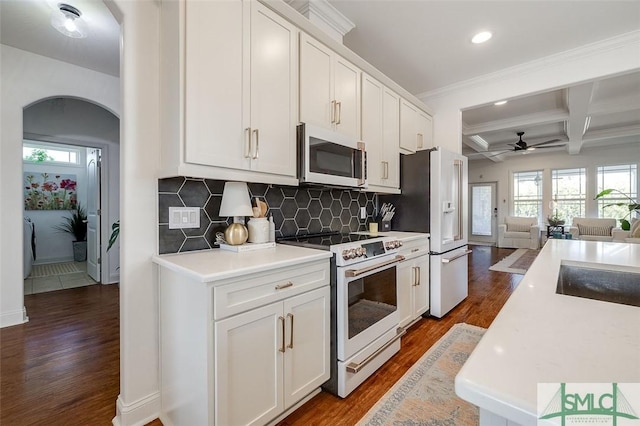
x: 324, y: 240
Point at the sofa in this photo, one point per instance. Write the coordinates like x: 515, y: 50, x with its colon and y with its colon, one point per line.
x: 630, y: 236
x: 519, y: 232
x: 596, y: 229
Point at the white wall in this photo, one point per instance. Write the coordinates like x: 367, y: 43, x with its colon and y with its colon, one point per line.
x: 52, y: 245
x: 610, y: 57
x: 26, y: 78
x: 488, y: 171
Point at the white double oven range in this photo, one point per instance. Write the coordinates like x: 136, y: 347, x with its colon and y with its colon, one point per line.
x: 365, y: 330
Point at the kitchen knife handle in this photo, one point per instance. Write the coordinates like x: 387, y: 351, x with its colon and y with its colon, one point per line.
x: 290, y: 345
x: 282, y: 348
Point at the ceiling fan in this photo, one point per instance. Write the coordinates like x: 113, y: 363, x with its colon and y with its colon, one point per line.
x: 521, y: 145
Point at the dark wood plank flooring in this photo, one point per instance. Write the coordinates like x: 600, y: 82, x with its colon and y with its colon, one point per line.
x: 62, y: 367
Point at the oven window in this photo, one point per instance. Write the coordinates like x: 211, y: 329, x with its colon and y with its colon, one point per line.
x: 332, y: 159
x: 371, y: 299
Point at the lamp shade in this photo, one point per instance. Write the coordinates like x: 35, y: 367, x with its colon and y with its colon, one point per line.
x: 235, y: 200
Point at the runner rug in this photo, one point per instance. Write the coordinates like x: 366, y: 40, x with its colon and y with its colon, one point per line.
x: 517, y: 262
x: 425, y: 395
x: 51, y: 269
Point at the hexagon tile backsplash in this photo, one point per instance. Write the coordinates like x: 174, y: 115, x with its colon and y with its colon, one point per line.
x: 295, y: 210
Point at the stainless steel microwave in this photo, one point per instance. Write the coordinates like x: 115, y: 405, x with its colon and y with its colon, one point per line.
x: 328, y: 158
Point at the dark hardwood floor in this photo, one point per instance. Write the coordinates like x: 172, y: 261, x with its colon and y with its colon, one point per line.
x: 62, y: 367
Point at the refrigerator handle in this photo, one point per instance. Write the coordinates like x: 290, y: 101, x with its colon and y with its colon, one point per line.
x: 458, y: 165
x: 451, y: 259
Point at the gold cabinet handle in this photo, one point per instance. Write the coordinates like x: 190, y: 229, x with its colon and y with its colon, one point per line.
x: 386, y: 170
x: 415, y: 279
x: 420, y: 140
x: 286, y: 285
x: 257, y: 138
x: 247, y: 142
x: 333, y: 112
x: 339, y: 113
x: 282, y: 348
x: 418, y: 276
x: 290, y: 345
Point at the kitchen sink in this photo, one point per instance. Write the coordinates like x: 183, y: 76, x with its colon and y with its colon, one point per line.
x: 607, y: 283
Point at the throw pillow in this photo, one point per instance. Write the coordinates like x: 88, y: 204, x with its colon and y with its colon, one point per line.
x: 598, y: 231
x: 634, y: 231
x: 518, y: 227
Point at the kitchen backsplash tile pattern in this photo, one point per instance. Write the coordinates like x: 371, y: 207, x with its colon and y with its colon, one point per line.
x: 295, y: 210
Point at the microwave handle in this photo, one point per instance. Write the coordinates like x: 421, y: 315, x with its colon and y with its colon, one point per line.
x: 363, y: 164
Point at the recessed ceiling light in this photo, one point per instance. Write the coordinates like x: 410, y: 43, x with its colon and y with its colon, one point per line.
x: 67, y: 20
x: 481, y: 37
x: 500, y: 103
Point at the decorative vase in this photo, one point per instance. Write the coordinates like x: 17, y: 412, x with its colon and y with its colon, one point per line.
x: 258, y: 228
x: 79, y: 251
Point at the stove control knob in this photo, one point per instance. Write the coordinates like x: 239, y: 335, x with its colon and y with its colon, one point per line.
x: 361, y: 251
x: 345, y: 254
x: 400, y: 244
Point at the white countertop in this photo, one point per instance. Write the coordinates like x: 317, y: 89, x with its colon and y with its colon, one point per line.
x: 213, y: 265
x: 543, y: 337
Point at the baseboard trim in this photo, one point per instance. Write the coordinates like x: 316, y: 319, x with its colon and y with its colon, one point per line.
x: 19, y: 316
x: 138, y: 413
x: 294, y: 407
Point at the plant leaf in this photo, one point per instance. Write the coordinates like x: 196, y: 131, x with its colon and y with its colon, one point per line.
x: 625, y: 225
x: 604, y: 192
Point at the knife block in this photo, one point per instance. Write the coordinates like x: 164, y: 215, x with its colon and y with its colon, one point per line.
x: 384, y: 225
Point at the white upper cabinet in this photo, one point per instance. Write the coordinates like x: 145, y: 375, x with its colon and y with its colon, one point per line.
x: 329, y: 89
x: 380, y: 133
x: 416, y: 128
x: 241, y: 87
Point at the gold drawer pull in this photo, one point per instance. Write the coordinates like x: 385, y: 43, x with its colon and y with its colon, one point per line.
x: 290, y: 345
x: 281, y: 286
x: 282, y: 348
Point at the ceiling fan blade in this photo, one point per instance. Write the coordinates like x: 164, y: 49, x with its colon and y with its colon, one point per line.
x: 549, y: 141
x: 499, y: 153
x: 550, y: 146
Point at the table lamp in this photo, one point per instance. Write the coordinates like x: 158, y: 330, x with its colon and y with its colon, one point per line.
x: 236, y: 203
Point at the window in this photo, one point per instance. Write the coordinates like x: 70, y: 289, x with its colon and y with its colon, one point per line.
x: 527, y: 194
x: 45, y: 153
x: 569, y: 191
x: 623, y: 178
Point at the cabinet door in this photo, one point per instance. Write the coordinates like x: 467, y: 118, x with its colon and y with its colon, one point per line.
x: 421, y: 289
x: 408, y: 126
x: 372, y: 130
x: 425, y: 131
x: 316, y: 91
x: 306, y: 364
x: 213, y: 93
x: 405, y: 278
x: 391, y: 137
x: 248, y: 367
x: 347, y: 96
x: 273, y: 92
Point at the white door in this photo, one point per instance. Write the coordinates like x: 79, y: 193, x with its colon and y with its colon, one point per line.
x: 93, y: 213
x: 484, y: 212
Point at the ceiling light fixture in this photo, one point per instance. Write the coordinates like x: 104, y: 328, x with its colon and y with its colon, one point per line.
x: 481, y: 37
x: 500, y: 103
x: 67, y: 20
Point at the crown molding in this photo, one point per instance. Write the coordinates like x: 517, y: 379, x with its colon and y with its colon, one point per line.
x: 594, y: 49
x: 327, y: 14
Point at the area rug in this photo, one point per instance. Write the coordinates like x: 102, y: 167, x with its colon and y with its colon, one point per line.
x: 425, y: 395
x: 517, y: 262
x: 51, y: 269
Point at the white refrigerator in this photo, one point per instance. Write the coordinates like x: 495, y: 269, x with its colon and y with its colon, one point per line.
x: 434, y: 199
x: 449, y: 226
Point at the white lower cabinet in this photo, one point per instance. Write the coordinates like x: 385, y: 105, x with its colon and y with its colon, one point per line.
x: 242, y: 351
x: 413, y: 283
x: 269, y: 358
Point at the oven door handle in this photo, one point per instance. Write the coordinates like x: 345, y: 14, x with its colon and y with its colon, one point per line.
x: 350, y: 273
x: 451, y: 259
x: 352, y: 367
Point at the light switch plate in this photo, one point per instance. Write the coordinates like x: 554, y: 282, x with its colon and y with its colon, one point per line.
x: 363, y: 212
x: 184, y: 217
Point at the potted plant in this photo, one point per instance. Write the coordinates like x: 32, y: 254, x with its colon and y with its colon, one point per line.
x: 76, y: 225
x: 632, y: 206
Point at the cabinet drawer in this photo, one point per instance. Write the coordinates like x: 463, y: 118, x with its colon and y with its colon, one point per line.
x: 414, y: 248
x: 240, y: 295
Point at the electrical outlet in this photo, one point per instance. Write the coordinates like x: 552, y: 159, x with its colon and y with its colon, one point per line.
x: 184, y: 217
x: 363, y: 212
